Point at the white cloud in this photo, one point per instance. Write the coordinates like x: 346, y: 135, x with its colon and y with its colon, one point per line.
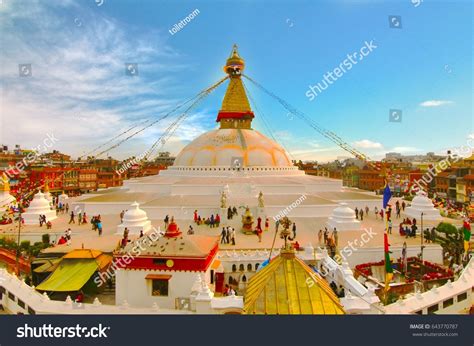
x: 405, y: 150
x: 78, y: 89
x: 435, y: 103
x: 368, y: 144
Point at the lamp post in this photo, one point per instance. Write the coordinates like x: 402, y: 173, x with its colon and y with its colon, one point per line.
x: 18, y: 241
x: 422, y: 246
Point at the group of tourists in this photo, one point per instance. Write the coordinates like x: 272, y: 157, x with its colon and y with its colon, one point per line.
x: 229, y: 291
x: 360, y: 213
x: 61, y: 208
x: 81, y: 218
x: 42, y: 220
x: 97, y: 224
x: 228, y: 235
x: 231, y: 211
x: 65, y: 238
x: 331, y: 241
x: 408, y: 228
x: 212, y: 221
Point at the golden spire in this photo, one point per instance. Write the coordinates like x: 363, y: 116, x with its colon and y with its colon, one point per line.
x: 6, y: 183
x: 235, y: 111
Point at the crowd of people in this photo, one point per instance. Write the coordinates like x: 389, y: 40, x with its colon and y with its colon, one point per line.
x: 228, y: 235
x: 212, y: 221
x: 331, y: 241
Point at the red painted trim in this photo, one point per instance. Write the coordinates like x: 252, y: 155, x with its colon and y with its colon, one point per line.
x: 180, y: 263
x: 234, y: 115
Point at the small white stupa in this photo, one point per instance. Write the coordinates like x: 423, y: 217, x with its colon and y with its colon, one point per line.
x: 6, y: 200
x: 63, y: 198
x: 135, y: 220
x: 422, y: 204
x: 343, y: 219
x: 38, y: 206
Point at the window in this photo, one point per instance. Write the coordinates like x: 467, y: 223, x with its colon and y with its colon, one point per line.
x: 249, y: 267
x: 234, y: 268
x: 241, y: 267
x: 256, y: 266
x: 159, y: 287
x: 244, y: 278
x: 432, y: 309
x: 11, y: 296
x: 462, y: 296
x: 21, y: 304
x: 159, y: 261
x: 448, y: 302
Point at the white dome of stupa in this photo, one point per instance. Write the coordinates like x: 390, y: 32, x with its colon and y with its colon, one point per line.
x: 38, y: 206
x: 216, y: 148
x: 343, y: 219
x: 422, y: 204
x: 135, y: 220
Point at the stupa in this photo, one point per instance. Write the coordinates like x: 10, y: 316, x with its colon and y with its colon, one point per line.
x: 38, y: 206
x: 422, y: 204
x: 343, y: 219
x: 135, y: 220
x: 63, y: 198
x: 6, y: 199
x: 235, y: 157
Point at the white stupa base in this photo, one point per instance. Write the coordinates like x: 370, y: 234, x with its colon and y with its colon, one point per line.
x: 32, y: 218
x: 344, y: 225
x: 134, y: 229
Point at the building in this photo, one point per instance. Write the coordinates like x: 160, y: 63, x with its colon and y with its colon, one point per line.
x: 87, y: 180
x: 165, y: 270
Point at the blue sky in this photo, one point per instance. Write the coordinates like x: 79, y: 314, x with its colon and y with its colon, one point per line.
x: 78, y: 89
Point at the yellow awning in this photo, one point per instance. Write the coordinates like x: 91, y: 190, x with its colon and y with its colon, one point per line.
x: 70, y: 275
x: 47, y: 266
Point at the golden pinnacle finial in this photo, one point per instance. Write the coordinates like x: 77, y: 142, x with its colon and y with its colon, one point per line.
x: 235, y: 64
x: 6, y: 183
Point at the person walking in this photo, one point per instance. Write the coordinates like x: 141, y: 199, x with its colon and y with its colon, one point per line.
x: 232, y: 235
x: 367, y: 210
x: 335, y: 236
x: 99, y: 227
x: 166, y: 220
x: 361, y: 214
x: 267, y: 224
x: 357, y: 213
x: 223, y: 235
x: 376, y: 211
x: 71, y: 220
x: 122, y: 213
x: 389, y: 226
x: 320, y: 236
x: 294, y: 230
x: 79, y: 218
x: 227, y: 234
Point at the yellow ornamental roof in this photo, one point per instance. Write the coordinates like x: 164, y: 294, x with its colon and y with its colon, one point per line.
x: 287, y: 286
x: 235, y: 99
